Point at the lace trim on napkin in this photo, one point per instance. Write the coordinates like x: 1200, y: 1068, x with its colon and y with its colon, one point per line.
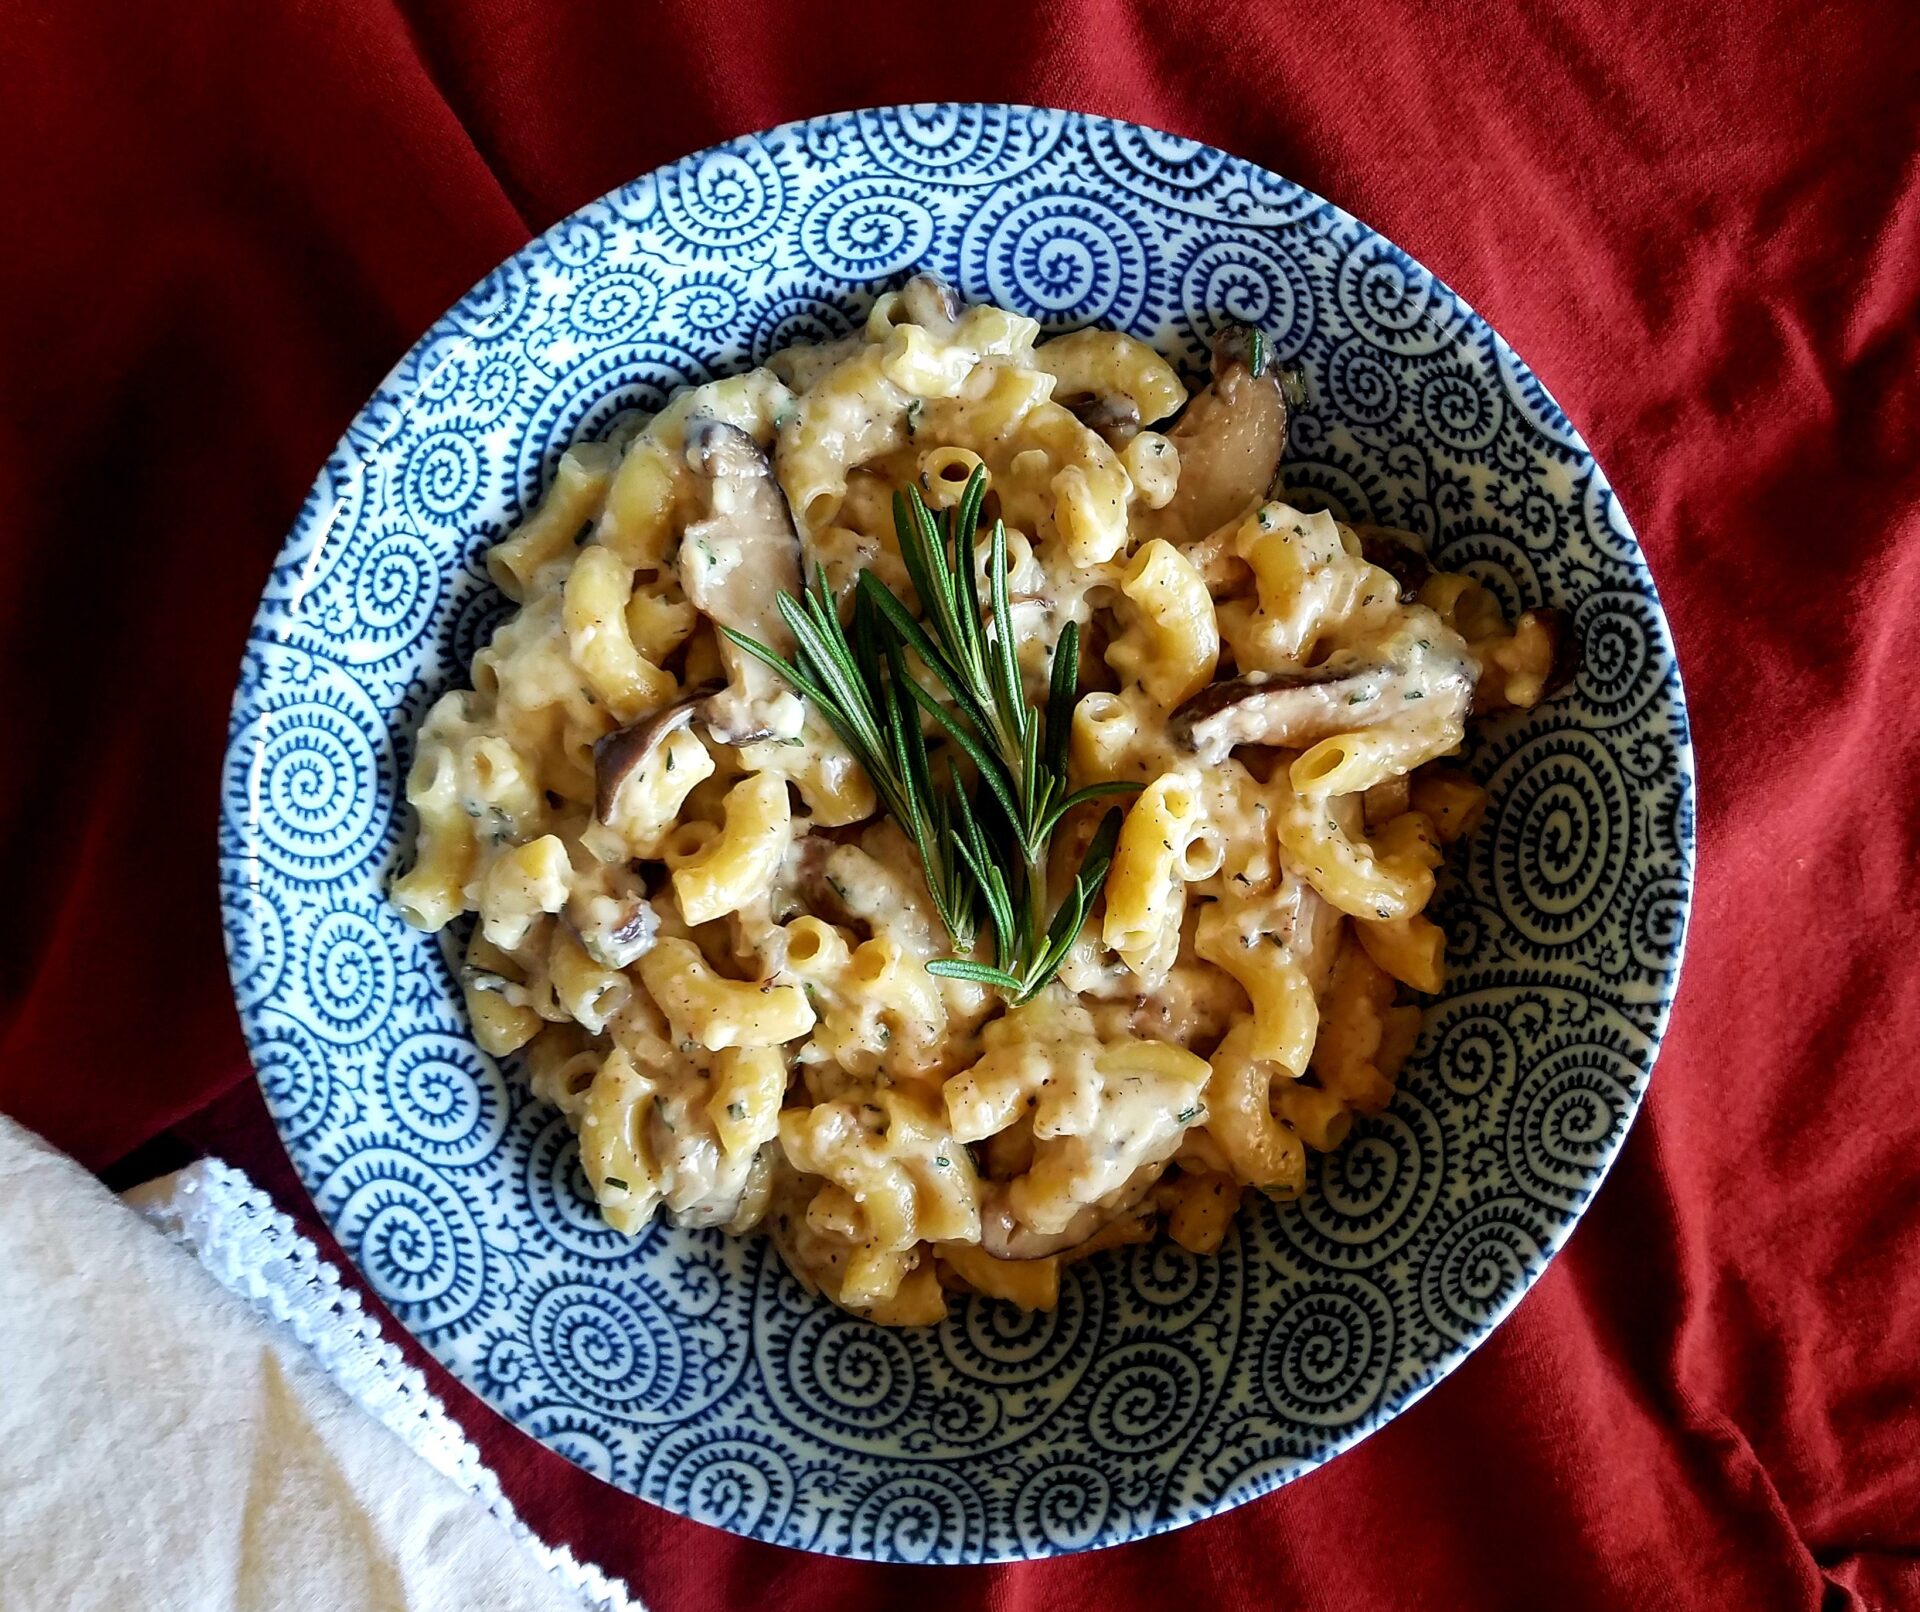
x: 257, y: 1253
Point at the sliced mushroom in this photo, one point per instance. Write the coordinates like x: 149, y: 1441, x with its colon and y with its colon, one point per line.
x: 1394, y: 551
x: 1349, y: 691
x: 1230, y: 439
x: 621, y: 753
x: 1114, y: 419
x: 1004, y: 1237
x: 735, y: 564
x: 927, y: 297
x: 611, y: 915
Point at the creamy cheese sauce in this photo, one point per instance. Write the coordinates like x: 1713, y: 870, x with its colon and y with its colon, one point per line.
x: 713, y: 948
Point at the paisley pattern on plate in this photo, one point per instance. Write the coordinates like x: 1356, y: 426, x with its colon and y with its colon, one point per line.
x: 690, y: 1368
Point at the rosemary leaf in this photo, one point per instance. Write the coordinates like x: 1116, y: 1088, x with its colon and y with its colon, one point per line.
x: 961, y: 968
x: 992, y: 868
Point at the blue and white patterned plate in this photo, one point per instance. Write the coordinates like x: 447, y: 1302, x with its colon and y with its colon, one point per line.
x: 690, y: 1368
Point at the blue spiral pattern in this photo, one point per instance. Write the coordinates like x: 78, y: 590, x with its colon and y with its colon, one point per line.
x: 691, y: 1368
x: 1067, y: 256
x: 866, y: 232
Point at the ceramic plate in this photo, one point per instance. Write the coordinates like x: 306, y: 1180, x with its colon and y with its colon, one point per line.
x: 689, y: 1368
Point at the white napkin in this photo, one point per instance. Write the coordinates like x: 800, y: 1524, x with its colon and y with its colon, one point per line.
x: 164, y: 1446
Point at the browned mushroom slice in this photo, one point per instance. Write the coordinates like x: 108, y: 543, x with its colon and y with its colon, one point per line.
x: 1297, y: 709
x: 735, y: 563
x: 927, y: 298
x: 612, y: 917
x: 1394, y: 552
x: 1004, y: 1237
x: 619, y: 754
x: 1113, y: 419
x: 1230, y: 439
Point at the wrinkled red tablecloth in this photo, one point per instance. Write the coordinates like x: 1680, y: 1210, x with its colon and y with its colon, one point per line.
x: 1701, y: 225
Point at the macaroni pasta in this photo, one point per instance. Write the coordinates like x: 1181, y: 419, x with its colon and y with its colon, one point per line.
x: 710, y: 948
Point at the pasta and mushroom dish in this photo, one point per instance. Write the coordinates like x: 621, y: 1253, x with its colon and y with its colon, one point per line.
x: 940, y: 802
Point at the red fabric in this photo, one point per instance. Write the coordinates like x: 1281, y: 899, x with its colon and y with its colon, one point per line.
x: 1702, y: 226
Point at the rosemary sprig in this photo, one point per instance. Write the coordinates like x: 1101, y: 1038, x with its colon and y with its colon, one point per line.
x: 984, y: 851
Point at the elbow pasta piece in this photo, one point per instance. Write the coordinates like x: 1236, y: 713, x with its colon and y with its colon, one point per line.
x: 1199, y: 1208
x: 904, y: 1174
x: 1465, y: 606
x: 1309, y: 577
x: 644, y: 502
x: 587, y: 993
x: 1285, y: 1015
x: 497, y: 788
x: 1090, y: 490
x: 547, y: 535
x: 432, y: 892
x: 852, y: 414
x: 521, y: 886
x: 748, y: 1085
x: 1264, y: 1152
x: 716, y: 1012
x: 1413, y: 950
x: 739, y: 864
x: 919, y: 366
x: 1108, y: 364
x: 1108, y: 738
x: 816, y: 951
x: 1320, y: 1118
x: 1033, y: 1284
x: 1449, y: 799
x: 659, y: 619
x: 1171, y: 644
x: 1152, y: 464
x: 687, y: 840
x: 1361, y: 879
x: 562, y: 1061
x: 500, y: 1024
x: 883, y: 972
x: 613, y: 1150
x: 1349, y: 763
x: 1146, y: 887
x: 944, y: 473
x: 1359, y: 996
x: 649, y: 801
x: 594, y: 609
x: 533, y: 957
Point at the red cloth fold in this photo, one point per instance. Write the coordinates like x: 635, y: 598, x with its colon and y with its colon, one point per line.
x: 1701, y: 225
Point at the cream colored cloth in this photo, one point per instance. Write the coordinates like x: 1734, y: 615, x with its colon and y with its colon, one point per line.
x: 163, y: 1447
